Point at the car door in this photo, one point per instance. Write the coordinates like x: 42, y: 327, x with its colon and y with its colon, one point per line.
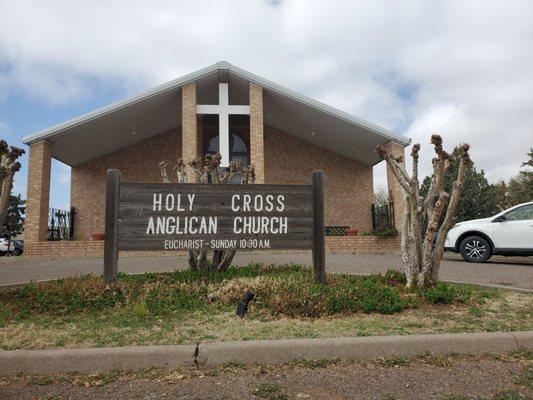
x: 516, y: 230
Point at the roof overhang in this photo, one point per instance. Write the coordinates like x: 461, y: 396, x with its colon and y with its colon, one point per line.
x: 123, y: 123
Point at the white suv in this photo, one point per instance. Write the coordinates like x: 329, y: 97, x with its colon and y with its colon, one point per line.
x: 508, y: 233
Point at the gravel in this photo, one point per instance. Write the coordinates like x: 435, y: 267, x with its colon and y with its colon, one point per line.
x: 467, y: 378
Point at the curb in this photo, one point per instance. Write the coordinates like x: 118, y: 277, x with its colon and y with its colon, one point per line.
x: 91, y: 360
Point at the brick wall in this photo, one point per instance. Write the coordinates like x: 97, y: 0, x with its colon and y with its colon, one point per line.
x: 137, y: 163
x: 362, y: 244
x: 189, y: 128
x: 257, y: 145
x: 39, y: 165
x: 90, y: 248
x: 288, y: 160
x: 349, y: 184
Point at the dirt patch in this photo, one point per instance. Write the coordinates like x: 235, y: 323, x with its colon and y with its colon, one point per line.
x: 388, y: 379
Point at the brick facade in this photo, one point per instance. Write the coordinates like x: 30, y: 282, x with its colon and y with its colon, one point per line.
x: 257, y: 142
x: 39, y: 168
x: 278, y: 157
x: 288, y: 160
x: 189, y: 126
x: 137, y: 163
x: 349, y: 184
x: 91, y: 249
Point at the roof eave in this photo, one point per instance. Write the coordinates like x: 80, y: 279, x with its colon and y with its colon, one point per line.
x: 219, y: 66
x: 272, y: 86
x: 165, y: 87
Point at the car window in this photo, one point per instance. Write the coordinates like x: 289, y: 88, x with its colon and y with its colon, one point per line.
x: 520, y: 213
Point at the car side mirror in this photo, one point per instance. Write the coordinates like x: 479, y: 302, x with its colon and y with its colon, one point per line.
x: 501, y: 218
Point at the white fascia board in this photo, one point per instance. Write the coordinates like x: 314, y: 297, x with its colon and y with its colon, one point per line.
x: 165, y: 87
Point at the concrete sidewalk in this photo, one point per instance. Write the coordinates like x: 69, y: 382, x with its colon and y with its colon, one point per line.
x: 514, y: 272
x: 61, y: 361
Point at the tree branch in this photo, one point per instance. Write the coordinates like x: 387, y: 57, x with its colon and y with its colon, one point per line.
x: 414, y: 155
x: 464, y: 160
x: 163, y: 171
x: 395, y: 167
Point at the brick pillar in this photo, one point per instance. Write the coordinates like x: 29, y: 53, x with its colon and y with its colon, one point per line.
x: 38, y: 196
x: 200, y: 136
x: 257, y: 140
x: 393, y: 184
x: 189, y: 130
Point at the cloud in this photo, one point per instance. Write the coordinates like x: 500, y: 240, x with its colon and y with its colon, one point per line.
x: 460, y: 68
x: 5, y: 131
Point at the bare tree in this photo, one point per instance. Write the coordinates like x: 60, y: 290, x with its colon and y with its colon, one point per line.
x: 207, y: 168
x: 381, y: 197
x: 8, y: 166
x: 423, y: 235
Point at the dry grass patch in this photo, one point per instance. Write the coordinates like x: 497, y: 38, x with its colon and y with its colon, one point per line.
x: 187, y: 307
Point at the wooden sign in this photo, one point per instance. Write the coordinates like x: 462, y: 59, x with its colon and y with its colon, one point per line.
x: 186, y: 216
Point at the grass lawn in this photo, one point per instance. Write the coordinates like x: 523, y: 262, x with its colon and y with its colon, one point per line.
x: 190, y: 306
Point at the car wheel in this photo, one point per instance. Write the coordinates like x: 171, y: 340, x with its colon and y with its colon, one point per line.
x: 17, y: 252
x: 475, y: 249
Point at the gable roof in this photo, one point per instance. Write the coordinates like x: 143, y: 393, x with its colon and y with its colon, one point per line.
x: 109, y: 128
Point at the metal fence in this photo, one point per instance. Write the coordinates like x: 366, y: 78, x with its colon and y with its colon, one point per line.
x: 60, y: 224
x: 383, y: 216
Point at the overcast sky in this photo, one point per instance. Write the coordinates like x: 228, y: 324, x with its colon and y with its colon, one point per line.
x: 460, y: 68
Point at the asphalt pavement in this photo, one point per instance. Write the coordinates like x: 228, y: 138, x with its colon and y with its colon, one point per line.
x: 514, y: 272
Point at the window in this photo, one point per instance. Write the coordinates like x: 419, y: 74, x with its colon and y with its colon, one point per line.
x: 237, y: 148
x: 520, y: 213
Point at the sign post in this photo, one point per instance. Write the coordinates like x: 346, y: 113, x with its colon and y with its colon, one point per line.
x: 319, y: 250
x: 190, y: 216
x: 111, y: 225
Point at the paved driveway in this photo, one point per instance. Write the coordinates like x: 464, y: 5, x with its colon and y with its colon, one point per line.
x: 502, y: 271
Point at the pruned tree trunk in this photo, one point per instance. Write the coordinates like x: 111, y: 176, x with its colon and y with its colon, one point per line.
x: 8, y: 166
x: 423, y: 235
x: 207, y: 170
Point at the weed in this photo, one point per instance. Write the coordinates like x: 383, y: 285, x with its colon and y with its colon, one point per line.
x: 476, y: 311
x: 508, y: 394
x: 269, y: 391
x: 314, y: 364
x: 525, y: 377
x: 393, y: 361
x: 139, y: 310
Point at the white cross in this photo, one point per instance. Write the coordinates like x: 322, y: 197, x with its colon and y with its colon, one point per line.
x: 223, y: 109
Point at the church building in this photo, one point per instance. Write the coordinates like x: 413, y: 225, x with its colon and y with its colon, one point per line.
x: 222, y: 108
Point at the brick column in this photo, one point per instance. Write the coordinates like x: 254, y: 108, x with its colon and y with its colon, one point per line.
x: 257, y: 140
x: 393, y: 184
x: 38, y: 196
x: 199, y: 137
x: 189, y: 130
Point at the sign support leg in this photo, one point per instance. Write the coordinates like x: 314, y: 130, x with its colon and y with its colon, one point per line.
x: 111, y: 226
x: 319, y: 248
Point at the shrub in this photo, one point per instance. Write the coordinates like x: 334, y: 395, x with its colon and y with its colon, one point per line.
x: 279, y: 290
x: 440, y: 294
x: 382, y: 233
